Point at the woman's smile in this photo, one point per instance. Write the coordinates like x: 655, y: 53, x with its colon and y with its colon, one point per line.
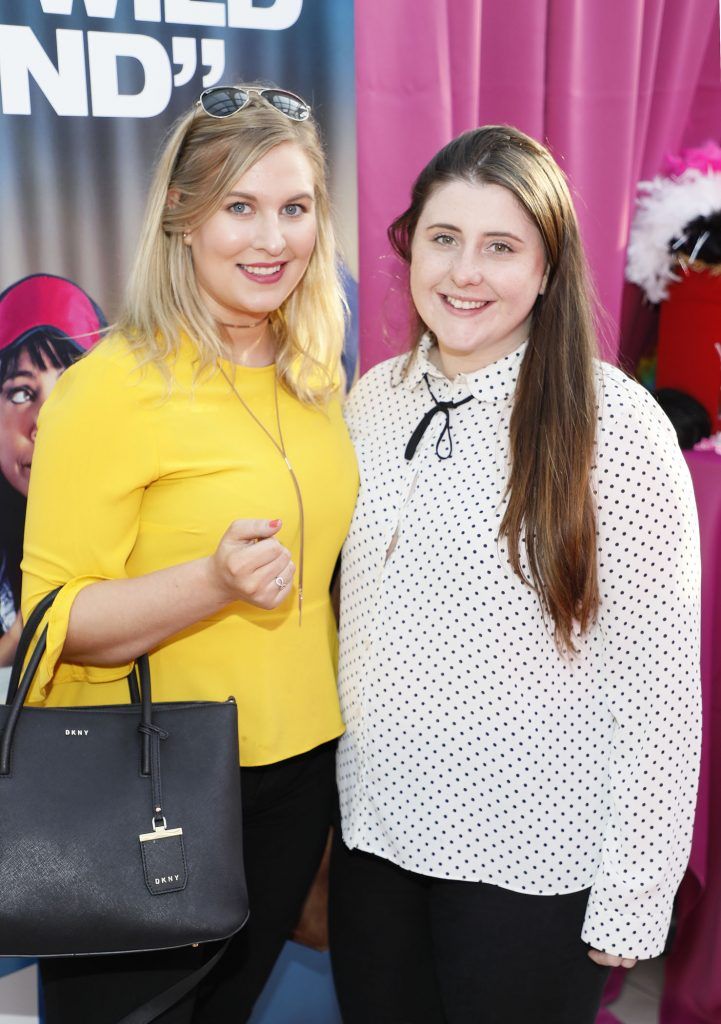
x: 465, y: 306
x: 263, y: 273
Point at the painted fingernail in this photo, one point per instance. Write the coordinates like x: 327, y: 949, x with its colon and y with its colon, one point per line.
x: 274, y: 523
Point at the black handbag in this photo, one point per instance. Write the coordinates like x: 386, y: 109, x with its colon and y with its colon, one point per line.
x: 120, y: 825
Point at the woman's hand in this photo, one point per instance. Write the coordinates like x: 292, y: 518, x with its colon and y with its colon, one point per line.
x: 249, y: 561
x: 610, y: 960
x: 114, y: 621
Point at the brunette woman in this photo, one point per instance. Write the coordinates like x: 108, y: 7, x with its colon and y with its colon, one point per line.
x: 519, y: 648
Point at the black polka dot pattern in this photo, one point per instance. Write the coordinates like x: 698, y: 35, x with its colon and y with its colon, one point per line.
x: 474, y: 750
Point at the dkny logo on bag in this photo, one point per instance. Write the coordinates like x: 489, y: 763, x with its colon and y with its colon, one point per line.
x: 166, y: 879
x: 77, y: 732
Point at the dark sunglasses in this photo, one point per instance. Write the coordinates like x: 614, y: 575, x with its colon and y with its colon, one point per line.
x: 226, y: 100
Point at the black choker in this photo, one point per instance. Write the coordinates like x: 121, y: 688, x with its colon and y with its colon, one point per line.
x: 256, y: 324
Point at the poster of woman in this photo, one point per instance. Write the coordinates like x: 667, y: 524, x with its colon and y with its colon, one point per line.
x: 46, y: 323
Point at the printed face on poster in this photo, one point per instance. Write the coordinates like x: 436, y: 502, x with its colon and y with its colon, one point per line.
x: 88, y: 90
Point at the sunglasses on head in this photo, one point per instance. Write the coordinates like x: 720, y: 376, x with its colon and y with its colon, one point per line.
x: 226, y: 100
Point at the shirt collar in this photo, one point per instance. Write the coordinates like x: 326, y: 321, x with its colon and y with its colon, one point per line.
x: 494, y: 383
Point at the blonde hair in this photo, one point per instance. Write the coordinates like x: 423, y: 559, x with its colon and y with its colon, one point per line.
x: 202, y: 159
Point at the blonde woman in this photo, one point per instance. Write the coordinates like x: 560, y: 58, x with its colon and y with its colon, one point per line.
x: 192, y: 485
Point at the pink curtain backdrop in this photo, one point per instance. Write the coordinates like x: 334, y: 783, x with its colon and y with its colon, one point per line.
x: 611, y: 87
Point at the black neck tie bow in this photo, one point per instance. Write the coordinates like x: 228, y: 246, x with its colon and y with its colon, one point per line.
x: 420, y: 430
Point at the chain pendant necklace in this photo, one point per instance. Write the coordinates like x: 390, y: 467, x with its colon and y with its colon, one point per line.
x: 282, y: 451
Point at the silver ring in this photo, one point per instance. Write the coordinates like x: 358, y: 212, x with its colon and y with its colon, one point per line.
x: 280, y: 582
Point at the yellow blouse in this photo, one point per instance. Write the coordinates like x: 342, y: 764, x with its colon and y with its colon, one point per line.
x: 128, y: 478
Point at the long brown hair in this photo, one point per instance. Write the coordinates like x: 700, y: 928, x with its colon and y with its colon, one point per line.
x: 550, y: 510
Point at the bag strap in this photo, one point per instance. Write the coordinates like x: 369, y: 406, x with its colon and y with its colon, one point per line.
x: 170, y: 996
x: 8, y: 733
x: 26, y: 638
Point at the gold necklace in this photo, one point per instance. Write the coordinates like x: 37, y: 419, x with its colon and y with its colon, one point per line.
x: 280, y: 448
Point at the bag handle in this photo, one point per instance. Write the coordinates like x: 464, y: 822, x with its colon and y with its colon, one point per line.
x: 20, y: 683
x: 34, y: 620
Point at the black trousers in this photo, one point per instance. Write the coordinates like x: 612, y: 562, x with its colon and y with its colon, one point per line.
x: 286, y: 814
x: 407, y: 949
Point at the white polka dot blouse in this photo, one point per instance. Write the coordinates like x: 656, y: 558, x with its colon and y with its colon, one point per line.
x: 475, y: 750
